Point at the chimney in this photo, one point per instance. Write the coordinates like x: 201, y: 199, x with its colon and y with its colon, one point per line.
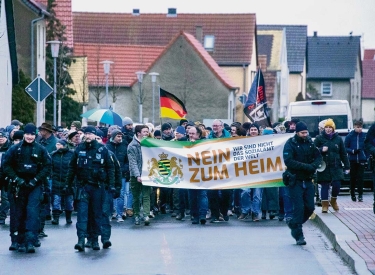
x: 315, y: 34
x: 136, y: 12
x: 172, y: 12
x: 199, y: 33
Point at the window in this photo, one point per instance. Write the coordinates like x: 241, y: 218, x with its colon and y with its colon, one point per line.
x: 326, y: 89
x: 209, y: 43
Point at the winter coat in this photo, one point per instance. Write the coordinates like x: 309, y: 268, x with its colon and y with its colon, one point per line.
x: 225, y: 134
x: 3, y: 149
x: 301, y: 157
x: 60, y: 165
x: 334, y: 158
x: 135, y: 158
x: 355, y: 141
x: 121, y: 152
x: 49, y: 143
x: 370, y: 141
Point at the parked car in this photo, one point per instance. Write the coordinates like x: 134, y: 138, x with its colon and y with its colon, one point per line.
x: 368, y: 184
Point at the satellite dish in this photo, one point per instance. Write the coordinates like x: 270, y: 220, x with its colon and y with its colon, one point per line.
x: 322, y: 167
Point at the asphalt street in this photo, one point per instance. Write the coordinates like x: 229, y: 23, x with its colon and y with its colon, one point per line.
x: 168, y: 246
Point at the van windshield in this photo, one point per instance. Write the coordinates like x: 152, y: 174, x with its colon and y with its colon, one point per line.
x: 312, y: 122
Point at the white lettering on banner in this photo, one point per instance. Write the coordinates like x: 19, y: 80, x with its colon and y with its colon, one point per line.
x: 214, y: 164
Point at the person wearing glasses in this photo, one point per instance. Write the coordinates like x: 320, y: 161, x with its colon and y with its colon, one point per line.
x: 219, y: 200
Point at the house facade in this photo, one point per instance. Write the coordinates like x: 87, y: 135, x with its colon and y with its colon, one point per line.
x: 368, y: 89
x: 6, y: 79
x: 296, y: 43
x: 272, y: 56
x: 335, y: 69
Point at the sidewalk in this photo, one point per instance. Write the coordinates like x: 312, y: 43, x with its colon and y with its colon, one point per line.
x: 352, y: 231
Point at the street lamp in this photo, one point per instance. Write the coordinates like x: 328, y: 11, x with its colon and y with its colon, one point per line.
x: 55, y: 45
x: 140, y: 79
x: 153, y: 80
x: 107, y: 66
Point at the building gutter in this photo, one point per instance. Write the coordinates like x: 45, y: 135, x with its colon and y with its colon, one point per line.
x: 32, y: 43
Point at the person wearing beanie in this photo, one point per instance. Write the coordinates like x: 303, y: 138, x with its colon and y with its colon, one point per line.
x: 127, y: 129
x: 180, y: 134
x: 183, y: 122
x: 267, y: 131
x: 301, y: 158
x: 30, y: 154
x: 157, y: 134
x: 301, y: 126
x: 167, y: 133
x: 5, y: 144
x: 124, y: 203
x: 333, y: 150
x: 61, y: 199
x: 355, y: 147
x: 75, y: 126
x: 18, y: 136
x: 93, y: 167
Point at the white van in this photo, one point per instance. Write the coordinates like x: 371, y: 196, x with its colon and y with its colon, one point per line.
x: 314, y: 111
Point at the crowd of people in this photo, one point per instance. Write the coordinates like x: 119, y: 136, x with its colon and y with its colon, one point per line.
x: 97, y: 172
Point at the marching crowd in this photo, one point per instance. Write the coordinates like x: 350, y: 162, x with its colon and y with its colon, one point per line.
x: 96, y: 172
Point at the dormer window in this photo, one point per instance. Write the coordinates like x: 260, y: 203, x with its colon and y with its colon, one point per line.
x: 209, y: 43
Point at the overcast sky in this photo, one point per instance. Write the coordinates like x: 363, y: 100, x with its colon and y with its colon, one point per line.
x: 327, y: 17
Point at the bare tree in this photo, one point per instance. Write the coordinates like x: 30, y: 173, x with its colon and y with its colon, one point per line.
x: 98, y: 88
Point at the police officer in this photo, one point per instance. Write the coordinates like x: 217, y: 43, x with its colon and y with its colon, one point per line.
x: 302, y: 159
x: 4, y: 205
x: 28, y: 165
x: 93, y: 166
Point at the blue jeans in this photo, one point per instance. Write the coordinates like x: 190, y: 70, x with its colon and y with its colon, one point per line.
x: 4, y: 207
x: 119, y: 202
x: 251, y: 200
x: 336, y: 184
x: 198, y: 203
x: 128, y: 196
x: 286, y: 206
x: 302, y: 196
x: 62, y: 203
x: 24, y: 217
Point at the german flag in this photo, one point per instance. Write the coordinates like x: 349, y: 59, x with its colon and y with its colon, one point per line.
x: 171, y: 106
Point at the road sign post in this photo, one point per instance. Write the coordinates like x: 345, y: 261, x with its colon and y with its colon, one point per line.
x: 39, y: 90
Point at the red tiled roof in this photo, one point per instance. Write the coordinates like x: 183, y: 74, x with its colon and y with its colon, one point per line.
x: 234, y: 33
x: 127, y: 59
x: 368, y: 79
x: 369, y: 54
x: 63, y: 12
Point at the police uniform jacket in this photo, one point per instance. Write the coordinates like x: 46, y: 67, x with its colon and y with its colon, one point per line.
x: 27, y: 161
x: 301, y: 157
x: 334, y: 158
x: 92, y: 164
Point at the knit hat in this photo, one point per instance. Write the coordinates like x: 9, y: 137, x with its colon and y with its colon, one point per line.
x: 3, y: 133
x: 63, y: 142
x: 115, y: 133
x: 165, y: 126
x: 330, y: 123
x: 180, y: 130
x: 77, y: 124
x: 157, y: 133
x: 254, y: 125
x: 30, y: 129
x: 99, y: 133
x: 18, y: 135
x: 267, y: 131
x: 90, y: 129
x: 183, y: 120
x: 127, y: 121
x: 71, y: 134
x: 10, y: 128
x: 112, y: 128
x: 322, y: 123
x: 16, y: 122
x: 301, y: 126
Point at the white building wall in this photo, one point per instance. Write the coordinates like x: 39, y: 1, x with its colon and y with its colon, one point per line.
x: 6, y: 72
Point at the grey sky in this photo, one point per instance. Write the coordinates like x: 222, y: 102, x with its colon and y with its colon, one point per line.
x: 327, y: 17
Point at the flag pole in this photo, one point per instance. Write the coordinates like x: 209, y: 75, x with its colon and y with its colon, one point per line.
x: 160, y: 108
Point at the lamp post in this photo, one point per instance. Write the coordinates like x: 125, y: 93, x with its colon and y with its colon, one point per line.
x: 140, y: 79
x: 153, y: 80
x: 55, y: 45
x: 107, y: 66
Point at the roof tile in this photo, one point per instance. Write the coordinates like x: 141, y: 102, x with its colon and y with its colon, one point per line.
x: 368, y: 80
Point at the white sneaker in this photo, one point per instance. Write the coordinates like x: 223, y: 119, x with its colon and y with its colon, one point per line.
x: 230, y: 213
x: 119, y: 219
x: 147, y: 220
x: 151, y: 216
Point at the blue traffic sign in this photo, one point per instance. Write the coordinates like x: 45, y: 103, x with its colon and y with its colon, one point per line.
x: 44, y: 88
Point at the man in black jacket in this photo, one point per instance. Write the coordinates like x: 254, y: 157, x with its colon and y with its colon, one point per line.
x: 370, y: 150
x: 4, y: 206
x: 302, y: 159
x: 93, y: 167
x: 27, y: 164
